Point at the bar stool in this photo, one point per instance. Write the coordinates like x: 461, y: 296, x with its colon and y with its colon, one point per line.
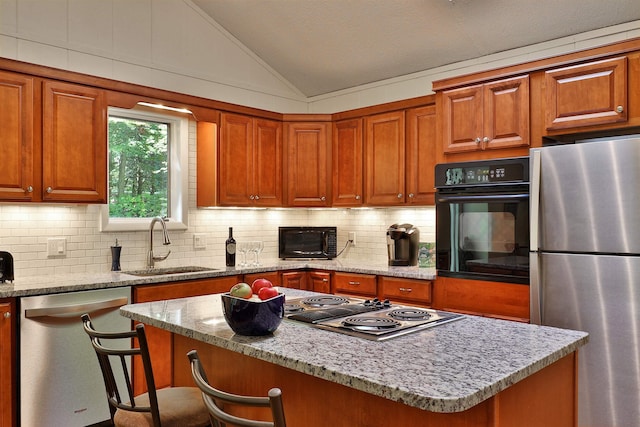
x: 166, y: 407
x: 215, y: 399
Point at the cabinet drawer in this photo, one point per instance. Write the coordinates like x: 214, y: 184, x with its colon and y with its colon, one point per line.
x: 418, y: 291
x: 359, y: 284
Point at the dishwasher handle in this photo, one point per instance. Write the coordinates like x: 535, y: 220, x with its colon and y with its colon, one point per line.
x: 74, y: 310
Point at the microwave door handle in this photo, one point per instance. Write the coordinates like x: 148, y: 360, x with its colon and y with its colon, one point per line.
x: 481, y: 197
x: 325, y: 243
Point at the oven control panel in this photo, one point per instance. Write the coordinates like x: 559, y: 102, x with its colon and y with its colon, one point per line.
x: 483, y: 172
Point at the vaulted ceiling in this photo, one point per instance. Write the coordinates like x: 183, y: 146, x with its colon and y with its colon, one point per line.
x: 322, y: 46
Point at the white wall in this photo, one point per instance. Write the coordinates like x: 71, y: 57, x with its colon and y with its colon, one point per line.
x: 172, y: 45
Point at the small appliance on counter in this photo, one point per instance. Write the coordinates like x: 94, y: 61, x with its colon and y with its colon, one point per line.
x: 307, y: 242
x: 6, y: 267
x: 402, y: 244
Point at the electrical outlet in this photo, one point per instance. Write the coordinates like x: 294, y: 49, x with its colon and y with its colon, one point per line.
x: 199, y: 241
x: 57, y: 247
x: 352, y: 237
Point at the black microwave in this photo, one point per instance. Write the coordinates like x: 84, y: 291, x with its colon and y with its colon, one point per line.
x: 307, y: 242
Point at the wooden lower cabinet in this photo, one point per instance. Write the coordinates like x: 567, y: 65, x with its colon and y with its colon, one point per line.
x: 161, y: 341
x: 508, y: 301
x: 409, y: 291
x: 546, y: 398
x: 361, y: 285
x: 319, y: 281
x: 8, y: 351
x: 294, y: 279
x: 272, y: 276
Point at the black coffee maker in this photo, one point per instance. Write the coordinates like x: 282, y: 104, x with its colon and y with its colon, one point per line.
x: 402, y: 244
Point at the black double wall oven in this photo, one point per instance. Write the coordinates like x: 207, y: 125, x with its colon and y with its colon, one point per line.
x: 482, y: 220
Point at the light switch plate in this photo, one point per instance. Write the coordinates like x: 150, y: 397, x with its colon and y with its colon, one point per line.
x: 57, y: 247
x: 199, y: 241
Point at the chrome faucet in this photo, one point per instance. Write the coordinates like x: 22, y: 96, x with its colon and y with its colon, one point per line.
x: 150, y: 258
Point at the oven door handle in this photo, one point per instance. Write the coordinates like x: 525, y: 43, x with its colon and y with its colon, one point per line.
x: 481, y: 197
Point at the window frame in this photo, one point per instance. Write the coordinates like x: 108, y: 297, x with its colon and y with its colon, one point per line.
x: 178, y: 172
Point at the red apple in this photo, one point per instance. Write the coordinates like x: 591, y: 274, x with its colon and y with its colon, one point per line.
x: 259, y: 284
x: 266, y: 293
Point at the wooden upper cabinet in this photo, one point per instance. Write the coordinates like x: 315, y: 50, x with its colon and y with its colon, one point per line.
x: 250, y: 172
x: 385, y: 159
x: 421, y: 155
x: 347, y: 163
x: 74, y: 143
x: 487, y: 116
x: 308, y: 164
x: 17, y: 180
x: 8, y: 368
x: 588, y: 94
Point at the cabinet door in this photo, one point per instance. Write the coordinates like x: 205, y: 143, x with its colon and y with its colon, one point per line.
x: 421, y: 155
x: 462, y: 119
x: 267, y: 163
x: 416, y: 292
x: 272, y: 276
x: 160, y: 341
x: 16, y: 138
x: 308, y: 167
x: 347, y: 163
x: 385, y: 159
x: 319, y: 281
x: 506, y: 113
x: 355, y: 284
x: 236, y: 160
x: 8, y: 380
x: 74, y: 143
x: 295, y: 280
x: 588, y: 94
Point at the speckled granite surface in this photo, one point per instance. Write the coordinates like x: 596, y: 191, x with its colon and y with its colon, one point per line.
x: 41, y: 285
x: 448, y: 368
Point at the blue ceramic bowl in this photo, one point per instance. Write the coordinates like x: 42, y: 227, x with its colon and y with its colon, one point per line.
x: 247, y: 317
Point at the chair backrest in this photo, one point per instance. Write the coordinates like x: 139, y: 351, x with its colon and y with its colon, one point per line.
x: 114, y: 361
x: 215, y: 399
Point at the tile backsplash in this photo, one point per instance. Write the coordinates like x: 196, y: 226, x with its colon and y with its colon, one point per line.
x: 26, y: 228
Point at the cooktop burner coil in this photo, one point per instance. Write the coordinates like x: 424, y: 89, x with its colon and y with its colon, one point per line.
x: 370, y: 323
x: 409, y: 314
x: 320, y: 301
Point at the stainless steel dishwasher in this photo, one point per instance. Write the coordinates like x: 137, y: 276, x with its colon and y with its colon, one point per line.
x: 60, y: 379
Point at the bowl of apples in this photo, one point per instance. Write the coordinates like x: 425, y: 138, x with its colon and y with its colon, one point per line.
x: 255, y: 309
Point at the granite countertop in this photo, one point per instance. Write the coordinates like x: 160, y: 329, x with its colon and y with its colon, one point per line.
x: 51, y: 284
x: 448, y: 368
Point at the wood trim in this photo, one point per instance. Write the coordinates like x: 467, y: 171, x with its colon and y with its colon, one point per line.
x: 573, y: 58
x: 387, y: 107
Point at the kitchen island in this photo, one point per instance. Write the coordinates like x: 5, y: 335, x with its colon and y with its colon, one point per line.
x: 470, y: 372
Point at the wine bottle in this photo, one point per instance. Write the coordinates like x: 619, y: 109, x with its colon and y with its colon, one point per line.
x: 230, y: 249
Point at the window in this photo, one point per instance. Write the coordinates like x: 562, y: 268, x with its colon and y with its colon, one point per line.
x: 148, y: 157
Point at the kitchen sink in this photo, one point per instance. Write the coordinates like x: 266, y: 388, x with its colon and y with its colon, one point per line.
x: 169, y: 270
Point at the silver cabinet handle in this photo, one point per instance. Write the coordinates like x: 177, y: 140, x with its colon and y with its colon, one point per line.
x: 351, y: 282
x: 411, y: 195
x: 7, y: 315
x: 74, y: 309
x: 30, y: 189
x: 49, y: 190
x: 323, y: 198
x: 251, y: 197
x: 619, y: 109
x: 357, y: 197
x: 399, y: 195
x: 406, y: 290
x: 325, y: 280
x: 478, y: 140
x: 257, y: 197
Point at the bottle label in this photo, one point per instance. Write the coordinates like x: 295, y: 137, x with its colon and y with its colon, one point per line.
x: 231, y: 248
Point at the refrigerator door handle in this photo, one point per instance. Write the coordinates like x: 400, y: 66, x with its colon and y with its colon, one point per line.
x: 534, y: 201
x: 535, y: 298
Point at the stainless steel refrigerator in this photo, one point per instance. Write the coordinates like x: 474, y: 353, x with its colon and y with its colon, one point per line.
x: 585, y: 267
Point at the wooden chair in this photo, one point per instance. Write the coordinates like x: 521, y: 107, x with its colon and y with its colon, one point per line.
x: 167, y: 407
x: 215, y: 399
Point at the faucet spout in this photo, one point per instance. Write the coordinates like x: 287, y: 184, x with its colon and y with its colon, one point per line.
x: 151, y: 259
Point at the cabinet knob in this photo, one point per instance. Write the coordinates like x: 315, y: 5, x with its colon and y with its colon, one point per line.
x: 49, y: 190
x: 619, y: 109
x: 323, y: 198
x: 357, y: 197
x: 30, y: 189
x: 257, y: 197
x: 7, y: 315
x: 411, y: 195
x: 485, y: 139
x: 478, y: 140
x: 399, y: 195
x: 251, y: 197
